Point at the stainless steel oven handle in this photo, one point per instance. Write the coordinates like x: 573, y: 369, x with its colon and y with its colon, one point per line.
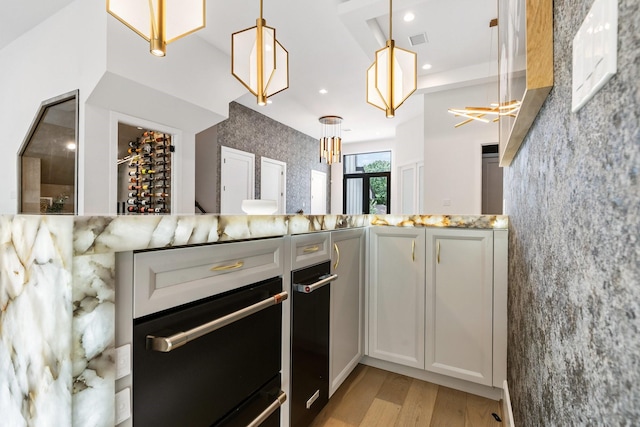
x: 282, y: 397
x: 307, y: 289
x: 166, y: 344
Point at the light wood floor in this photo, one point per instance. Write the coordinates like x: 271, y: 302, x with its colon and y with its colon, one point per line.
x: 372, y: 397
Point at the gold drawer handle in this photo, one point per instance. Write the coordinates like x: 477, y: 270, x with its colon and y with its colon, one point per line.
x: 228, y: 267
x: 310, y: 249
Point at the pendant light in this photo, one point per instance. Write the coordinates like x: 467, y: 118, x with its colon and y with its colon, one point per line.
x: 494, y: 111
x: 392, y: 78
x: 331, y: 141
x: 259, y: 61
x: 159, y: 22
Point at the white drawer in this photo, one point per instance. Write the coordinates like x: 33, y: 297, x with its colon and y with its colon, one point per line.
x: 168, y: 278
x: 309, y: 249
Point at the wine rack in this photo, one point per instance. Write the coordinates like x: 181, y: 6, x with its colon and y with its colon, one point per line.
x: 150, y: 174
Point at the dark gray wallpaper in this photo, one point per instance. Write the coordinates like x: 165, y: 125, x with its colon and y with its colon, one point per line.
x: 573, y: 200
x: 253, y: 132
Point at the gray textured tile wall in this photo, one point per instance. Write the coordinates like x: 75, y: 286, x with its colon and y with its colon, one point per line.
x: 573, y: 200
x: 253, y: 132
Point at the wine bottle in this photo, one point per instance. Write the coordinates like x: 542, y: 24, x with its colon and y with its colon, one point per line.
x: 162, y: 194
x: 160, y: 210
x: 164, y: 184
x: 145, y: 194
x: 134, y: 150
x: 133, y: 194
x: 133, y: 201
x: 132, y: 209
x: 133, y: 173
x: 161, y: 201
x: 161, y: 162
x: 147, y: 171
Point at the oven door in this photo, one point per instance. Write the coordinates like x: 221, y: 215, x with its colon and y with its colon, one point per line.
x: 206, y: 380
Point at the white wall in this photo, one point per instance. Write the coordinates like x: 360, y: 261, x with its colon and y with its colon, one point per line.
x: 409, y: 150
x: 206, y: 169
x: 82, y: 47
x: 354, y: 148
x: 453, y: 157
x: 60, y: 55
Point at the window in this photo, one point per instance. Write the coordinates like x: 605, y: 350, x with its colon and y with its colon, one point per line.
x: 367, y: 183
x: 47, y: 159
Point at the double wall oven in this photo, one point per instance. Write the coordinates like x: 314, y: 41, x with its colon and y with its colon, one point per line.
x: 206, y: 334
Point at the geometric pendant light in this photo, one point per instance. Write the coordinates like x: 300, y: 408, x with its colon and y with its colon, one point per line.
x: 331, y: 141
x: 159, y: 21
x: 392, y: 78
x: 259, y: 61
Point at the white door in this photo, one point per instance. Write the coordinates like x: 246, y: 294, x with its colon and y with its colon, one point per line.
x: 397, y: 295
x: 459, y: 339
x: 407, y: 189
x: 237, y: 177
x: 347, y: 298
x: 318, y: 193
x: 273, y: 182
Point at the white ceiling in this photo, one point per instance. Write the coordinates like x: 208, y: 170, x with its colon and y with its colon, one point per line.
x: 331, y: 43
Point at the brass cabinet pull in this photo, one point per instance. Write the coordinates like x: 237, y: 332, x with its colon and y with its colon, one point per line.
x: 310, y: 249
x: 413, y: 250
x: 335, y: 266
x: 438, y: 252
x: 228, y: 267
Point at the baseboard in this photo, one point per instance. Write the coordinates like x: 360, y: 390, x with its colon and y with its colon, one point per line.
x: 507, y: 412
x: 493, y: 393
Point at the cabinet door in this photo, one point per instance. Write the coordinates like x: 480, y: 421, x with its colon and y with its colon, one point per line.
x: 346, y: 311
x: 396, y: 295
x: 460, y: 303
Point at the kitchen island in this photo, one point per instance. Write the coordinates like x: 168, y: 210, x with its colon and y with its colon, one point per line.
x: 57, y: 295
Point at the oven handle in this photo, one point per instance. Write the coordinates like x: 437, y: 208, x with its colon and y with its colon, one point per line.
x: 166, y: 344
x: 282, y: 397
x: 307, y: 289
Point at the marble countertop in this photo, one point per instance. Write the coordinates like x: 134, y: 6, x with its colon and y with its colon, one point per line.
x: 57, y: 297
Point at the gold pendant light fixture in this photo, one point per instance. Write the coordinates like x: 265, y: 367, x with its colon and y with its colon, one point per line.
x: 159, y: 22
x: 494, y: 111
x: 331, y: 141
x: 480, y: 113
x: 259, y: 61
x: 392, y: 78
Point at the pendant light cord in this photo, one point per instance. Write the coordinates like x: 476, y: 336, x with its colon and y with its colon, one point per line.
x: 390, y: 19
x: 260, y: 9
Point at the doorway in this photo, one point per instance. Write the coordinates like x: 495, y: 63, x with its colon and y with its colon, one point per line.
x: 273, y: 182
x: 318, y: 193
x: 367, y: 183
x: 491, y: 181
x: 237, y: 177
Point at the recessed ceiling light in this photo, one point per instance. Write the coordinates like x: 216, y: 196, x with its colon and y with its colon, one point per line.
x: 409, y: 16
x: 426, y: 67
x: 269, y: 101
x: 346, y: 130
x: 139, y: 127
x: 71, y: 146
x: 323, y: 91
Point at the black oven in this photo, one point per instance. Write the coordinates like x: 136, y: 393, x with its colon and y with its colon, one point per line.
x: 215, y: 362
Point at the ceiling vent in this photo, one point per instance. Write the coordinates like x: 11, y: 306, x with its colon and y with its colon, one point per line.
x: 418, y: 39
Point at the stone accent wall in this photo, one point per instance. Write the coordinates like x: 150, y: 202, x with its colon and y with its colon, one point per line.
x: 573, y: 200
x: 250, y: 131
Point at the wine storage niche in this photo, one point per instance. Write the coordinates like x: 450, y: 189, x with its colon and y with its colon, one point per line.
x: 145, y: 173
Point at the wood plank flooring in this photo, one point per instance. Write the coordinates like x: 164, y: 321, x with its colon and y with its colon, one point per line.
x: 371, y: 397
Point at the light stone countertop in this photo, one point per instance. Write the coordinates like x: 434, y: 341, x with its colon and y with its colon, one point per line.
x: 57, y: 297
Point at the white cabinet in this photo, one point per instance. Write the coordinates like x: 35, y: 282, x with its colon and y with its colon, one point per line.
x: 396, y: 295
x: 459, y: 333
x: 346, y: 307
